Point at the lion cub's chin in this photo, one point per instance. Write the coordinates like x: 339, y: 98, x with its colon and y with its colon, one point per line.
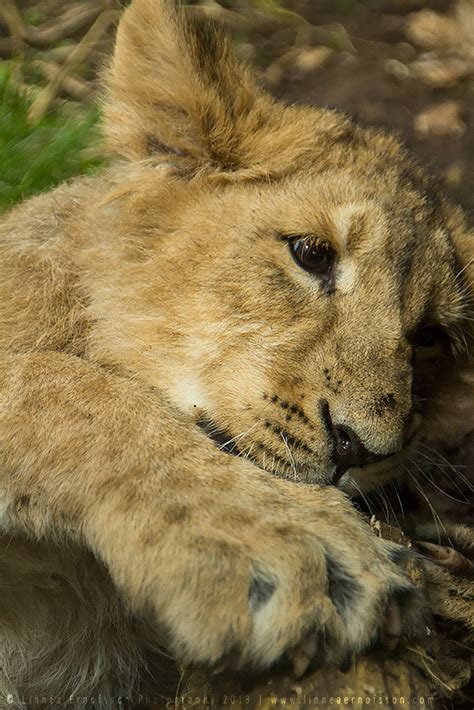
x: 363, y: 479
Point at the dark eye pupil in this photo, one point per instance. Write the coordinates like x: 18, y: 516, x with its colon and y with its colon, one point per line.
x: 313, y: 257
x: 429, y: 337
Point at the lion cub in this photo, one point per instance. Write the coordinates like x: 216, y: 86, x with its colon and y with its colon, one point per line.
x: 270, y: 278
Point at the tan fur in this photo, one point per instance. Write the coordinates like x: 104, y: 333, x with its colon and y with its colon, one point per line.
x: 161, y: 294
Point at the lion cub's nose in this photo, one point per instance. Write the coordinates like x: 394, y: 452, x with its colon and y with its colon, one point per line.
x: 349, y: 450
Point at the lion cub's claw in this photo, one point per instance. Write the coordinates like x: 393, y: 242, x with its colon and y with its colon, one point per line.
x: 311, y: 652
x: 359, y: 606
x: 314, y: 650
x: 317, y: 590
x: 303, y: 656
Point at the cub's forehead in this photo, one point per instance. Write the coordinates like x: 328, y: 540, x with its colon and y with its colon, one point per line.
x: 409, y: 253
x: 372, y: 225
x: 415, y: 242
x: 379, y: 232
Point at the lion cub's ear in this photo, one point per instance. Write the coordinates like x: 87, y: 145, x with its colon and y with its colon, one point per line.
x: 175, y: 88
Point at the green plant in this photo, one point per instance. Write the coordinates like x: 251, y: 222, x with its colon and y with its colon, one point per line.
x: 36, y: 157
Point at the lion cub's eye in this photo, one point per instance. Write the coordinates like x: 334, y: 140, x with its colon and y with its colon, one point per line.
x: 431, y: 336
x: 316, y: 258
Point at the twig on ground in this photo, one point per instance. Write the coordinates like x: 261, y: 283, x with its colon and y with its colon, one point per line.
x: 12, y: 18
x: 66, y: 25
x: 72, y: 85
x: 80, y: 52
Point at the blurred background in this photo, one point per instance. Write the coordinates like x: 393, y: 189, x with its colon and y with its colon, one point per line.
x: 403, y: 64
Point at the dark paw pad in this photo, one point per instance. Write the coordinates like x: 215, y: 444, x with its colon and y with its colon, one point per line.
x: 343, y: 589
x: 261, y: 588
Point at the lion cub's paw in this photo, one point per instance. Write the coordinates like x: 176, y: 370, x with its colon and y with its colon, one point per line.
x: 317, y: 589
x: 358, y: 597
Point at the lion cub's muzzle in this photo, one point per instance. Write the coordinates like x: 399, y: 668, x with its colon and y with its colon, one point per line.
x: 350, y: 452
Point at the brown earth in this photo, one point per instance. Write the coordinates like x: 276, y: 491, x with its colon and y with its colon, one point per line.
x: 367, y: 81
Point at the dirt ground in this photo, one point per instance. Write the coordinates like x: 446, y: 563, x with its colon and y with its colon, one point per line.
x: 370, y: 80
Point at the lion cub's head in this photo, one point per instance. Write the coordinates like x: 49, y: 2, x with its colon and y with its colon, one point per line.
x: 299, y: 284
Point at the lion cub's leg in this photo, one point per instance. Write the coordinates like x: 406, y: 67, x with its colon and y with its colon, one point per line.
x: 224, y: 557
x: 65, y: 633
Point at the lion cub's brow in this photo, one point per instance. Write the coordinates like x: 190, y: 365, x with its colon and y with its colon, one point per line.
x: 373, y: 241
